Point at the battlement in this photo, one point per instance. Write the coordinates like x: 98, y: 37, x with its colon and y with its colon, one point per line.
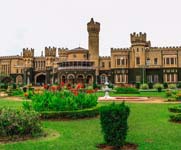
x: 93, y: 26
x: 28, y: 52
x: 119, y: 49
x: 50, y: 51
x: 62, y: 49
x: 105, y: 57
x: 10, y: 57
x: 166, y: 48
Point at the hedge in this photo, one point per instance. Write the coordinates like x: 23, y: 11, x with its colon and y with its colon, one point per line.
x: 175, y: 117
x: 175, y: 109
x: 76, y: 114
x: 114, y: 123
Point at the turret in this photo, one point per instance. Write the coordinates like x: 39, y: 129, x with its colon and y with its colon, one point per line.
x: 138, y: 44
x: 93, y: 29
x: 50, y: 54
x: 62, y: 52
x: 28, y: 56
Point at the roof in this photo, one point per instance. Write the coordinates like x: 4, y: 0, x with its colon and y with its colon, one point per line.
x: 78, y: 49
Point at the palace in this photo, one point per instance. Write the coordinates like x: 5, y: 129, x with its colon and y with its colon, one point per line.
x: 138, y: 63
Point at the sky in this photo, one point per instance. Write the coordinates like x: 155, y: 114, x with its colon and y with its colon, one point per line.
x: 63, y: 23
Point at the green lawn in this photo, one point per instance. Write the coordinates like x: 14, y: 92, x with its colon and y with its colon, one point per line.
x: 148, y: 127
x: 142, y: 94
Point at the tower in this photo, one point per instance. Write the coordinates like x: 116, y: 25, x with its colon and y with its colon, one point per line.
x: 50, y: 54
x: 28, y: 55
x: 138, y: 45
x: 93, y: 29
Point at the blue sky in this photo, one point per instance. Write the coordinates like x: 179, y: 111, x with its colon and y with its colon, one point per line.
x: 62, y: 23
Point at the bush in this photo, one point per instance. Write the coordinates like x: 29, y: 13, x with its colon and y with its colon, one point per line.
x: 150, y: 85
x: 62, y: 101
x: 172, y: 86
x: 76, y: 114
x: 175, y: 117
x: 137, y: 85
x: 168, y: 93
x: 158, y: 86
x: 19, y: 123
x: 144, y: 86
x: 165, y: 85
x: 175, y: 109
x: 114, y: 123
x: 127, y: 90
x: 17, y: 92
x: 179, y: 85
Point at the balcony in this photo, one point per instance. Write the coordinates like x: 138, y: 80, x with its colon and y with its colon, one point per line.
x: 76, y: 65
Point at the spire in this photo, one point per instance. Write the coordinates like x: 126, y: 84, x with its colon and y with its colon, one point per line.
x: 92, y: 20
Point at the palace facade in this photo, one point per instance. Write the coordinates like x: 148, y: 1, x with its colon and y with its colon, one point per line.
x: 138, y: 63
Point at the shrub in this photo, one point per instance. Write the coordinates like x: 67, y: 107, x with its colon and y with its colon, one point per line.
x: 17, y: 92
x: 62, y: 101
x: 114, y: 123
x: 179, y: 85
x: 128, y: 90
x: 76, y: 114
x: 137, y: 85
x: 165, y: 85
x: 168, y: 93
x: 172, y: 86
x: 111, y: 86
x: 175, y: 109
x: 19, y: 123
x: 144, y: 86
x: 150, y: 85
x: 158, y: 86
x: 175, y: 117
x: 178, y: 96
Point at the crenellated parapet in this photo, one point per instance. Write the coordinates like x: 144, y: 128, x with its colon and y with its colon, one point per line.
x: 28, y: 53
x: 105, y: 57
x: 139, y: 38
x: 93, y: 27
x: 50, y: 51
x: 119, y: 49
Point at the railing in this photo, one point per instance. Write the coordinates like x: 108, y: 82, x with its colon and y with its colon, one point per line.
x: 75, y: 67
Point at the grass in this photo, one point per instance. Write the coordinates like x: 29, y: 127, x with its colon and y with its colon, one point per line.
x: 148, y: 127
x: 141, y: 94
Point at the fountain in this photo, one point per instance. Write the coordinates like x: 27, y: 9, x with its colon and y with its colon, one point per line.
x: 106, y: 97
x: 107, y: 90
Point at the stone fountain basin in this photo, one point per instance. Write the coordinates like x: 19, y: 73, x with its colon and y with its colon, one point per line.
x: 123, y: 98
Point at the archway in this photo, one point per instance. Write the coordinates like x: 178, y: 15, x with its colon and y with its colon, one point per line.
x: 103, y: 78
x: 80, y: 79
x: 40, y: 79
x: 89, y: 79
x: 19, y: 79
x: 71, y: 78
x: 63, y: 79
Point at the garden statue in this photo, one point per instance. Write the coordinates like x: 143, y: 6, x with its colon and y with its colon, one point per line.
x: 106, y: 89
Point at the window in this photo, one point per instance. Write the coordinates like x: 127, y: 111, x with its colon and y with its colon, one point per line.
x: 155, y: 61
x: 137, y: 60
x: 172, y: 61
x: 138, y: 78
x: 148, y: 61
x: 118, y: 61
x: 74, y: 56
x: 156, y: 78
x: 137, y: 49
x: 122, y: 62
x: 149, y: 78
x: 167, y: 61
x: 103, y: 64
x: 109, y: 64
x: 103, y: 79
x: 17, y: 71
